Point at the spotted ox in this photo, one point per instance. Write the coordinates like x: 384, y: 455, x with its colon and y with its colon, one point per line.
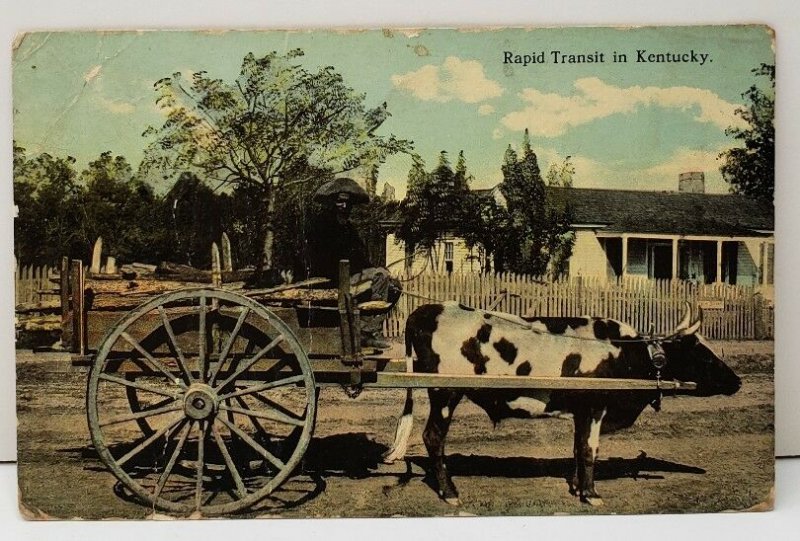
x: 453, y: 339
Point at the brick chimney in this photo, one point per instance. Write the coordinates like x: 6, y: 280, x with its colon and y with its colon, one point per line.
x: 692, y: 182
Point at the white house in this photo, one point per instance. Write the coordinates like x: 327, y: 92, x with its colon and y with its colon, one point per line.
x: 685, y: 234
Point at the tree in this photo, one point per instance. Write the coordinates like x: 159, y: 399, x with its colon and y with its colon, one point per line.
x: 193, y: 215
x: 537, y: 238
x: 750, y: 169
x: 122, y: 209
x: 435, y: 204
x: 48, y: 198
x: 561, y: 174
x: 273, y: 127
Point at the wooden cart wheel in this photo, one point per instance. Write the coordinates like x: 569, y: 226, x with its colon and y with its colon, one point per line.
x: 201, y: 401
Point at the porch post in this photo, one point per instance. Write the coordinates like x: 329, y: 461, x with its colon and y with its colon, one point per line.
x: 674, y: 258
x: 765, y: 266
x: 719, y: 262
x: 624, y: 255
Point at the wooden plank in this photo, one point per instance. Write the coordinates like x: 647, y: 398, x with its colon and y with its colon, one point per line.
x: 419, y: 381
x: 76, y: 287
x: 66, y: 308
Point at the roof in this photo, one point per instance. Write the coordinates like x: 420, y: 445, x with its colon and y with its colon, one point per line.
x: 681, y: 213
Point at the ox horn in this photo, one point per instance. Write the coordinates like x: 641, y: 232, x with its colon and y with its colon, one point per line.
x: 694, y: 327
x: 687, y: 319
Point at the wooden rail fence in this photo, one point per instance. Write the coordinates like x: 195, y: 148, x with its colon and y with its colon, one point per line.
x: 730, y: 312
x: 32, y: 284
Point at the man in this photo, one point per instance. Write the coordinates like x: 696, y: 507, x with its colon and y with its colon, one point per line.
x: 334, y: 237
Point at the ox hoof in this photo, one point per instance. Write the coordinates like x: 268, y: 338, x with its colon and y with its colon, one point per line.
x: 453, y: 501
x: 390, y: 458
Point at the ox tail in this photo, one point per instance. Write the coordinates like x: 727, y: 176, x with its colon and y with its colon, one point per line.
x: 402, y: 433
x: 406, y: 422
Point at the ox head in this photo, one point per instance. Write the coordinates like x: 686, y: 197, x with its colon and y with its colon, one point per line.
x: 689, y: 357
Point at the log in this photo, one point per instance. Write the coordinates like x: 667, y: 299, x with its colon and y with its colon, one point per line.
x: 53, y: 306
x: 39, y: 323
x: 185, y: 273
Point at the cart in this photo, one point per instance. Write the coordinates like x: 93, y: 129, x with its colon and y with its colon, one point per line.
x: 203, y: 400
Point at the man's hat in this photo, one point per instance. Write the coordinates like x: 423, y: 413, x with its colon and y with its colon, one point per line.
x: 330, y: 191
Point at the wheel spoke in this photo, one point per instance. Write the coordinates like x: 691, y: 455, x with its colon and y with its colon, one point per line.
x: 172, y: 459
x: 275, y: 406
x: 227, y: 347
x: 253, y: 421
x: 202, y: 339
x: 155, y: 363
x: 198, y: 484
x: 148, y: 441
x: 229, y: 461
x: 140, y: 386
x: 264, y: 386
x: 252, y: 443
x: 187, y: 374
x: 272, y: 415
x: 250, y: 362
x: 142, y: 414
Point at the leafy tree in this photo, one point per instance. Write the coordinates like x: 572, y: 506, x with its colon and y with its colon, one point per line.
x: 750, y: 169
x: 271, y: 128
x: 561, y: 174
x: 537, y: 238
x: 48, y: 198
x: 121, y: 209
x: 193, y: 215
x: 486, y: 226
x: 434, y: 205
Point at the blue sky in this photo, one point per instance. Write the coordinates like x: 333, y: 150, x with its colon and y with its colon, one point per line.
x: 626, y: 125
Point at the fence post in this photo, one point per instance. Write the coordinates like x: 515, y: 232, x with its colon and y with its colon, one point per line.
x: 79, y: 333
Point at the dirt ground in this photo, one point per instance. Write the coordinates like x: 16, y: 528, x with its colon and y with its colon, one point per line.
x: 697, y: 454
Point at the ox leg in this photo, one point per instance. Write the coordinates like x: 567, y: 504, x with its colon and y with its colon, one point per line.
x: 443, y: 403
x: 586, y: 448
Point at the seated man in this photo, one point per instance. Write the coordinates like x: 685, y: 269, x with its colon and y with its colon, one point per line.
x: 334, y: 237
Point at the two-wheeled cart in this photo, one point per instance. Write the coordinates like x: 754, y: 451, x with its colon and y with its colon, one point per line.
x: 203, y: 400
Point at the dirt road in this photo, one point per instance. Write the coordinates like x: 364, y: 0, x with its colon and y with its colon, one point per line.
x: 709, y: 454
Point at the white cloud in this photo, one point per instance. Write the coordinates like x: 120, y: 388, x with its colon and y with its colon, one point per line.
x: 551, y: 114
x: 497, y: 134
x: 486, y: 109
x: 462, y: 80
x: 117, y: 107
x: 661, y: 176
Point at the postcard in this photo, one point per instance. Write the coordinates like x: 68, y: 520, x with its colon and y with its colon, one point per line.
x: 394, y: 273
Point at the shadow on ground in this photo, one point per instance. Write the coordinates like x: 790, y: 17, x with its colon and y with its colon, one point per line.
x: 356, y: 456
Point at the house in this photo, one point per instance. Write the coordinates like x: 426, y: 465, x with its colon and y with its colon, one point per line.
x: 685, y: 234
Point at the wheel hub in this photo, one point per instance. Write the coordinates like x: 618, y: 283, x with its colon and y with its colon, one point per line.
x: 200, y: 402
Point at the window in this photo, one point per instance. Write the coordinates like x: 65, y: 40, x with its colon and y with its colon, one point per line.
x: 448, y: 257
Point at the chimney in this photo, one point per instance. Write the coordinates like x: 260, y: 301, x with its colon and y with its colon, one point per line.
x: 692, y: 182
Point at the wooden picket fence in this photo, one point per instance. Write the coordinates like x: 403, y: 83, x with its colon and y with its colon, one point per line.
x: 32, y: 284
x: 730, y: 312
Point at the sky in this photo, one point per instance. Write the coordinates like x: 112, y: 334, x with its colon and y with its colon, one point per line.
x: 625, y: 125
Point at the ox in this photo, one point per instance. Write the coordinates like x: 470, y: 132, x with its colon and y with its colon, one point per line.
x: 453, y: 339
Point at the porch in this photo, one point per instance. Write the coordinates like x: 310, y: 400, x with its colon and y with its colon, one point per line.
x: 697, y: 258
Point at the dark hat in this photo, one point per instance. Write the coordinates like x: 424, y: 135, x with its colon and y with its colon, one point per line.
x: 331, y: 190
